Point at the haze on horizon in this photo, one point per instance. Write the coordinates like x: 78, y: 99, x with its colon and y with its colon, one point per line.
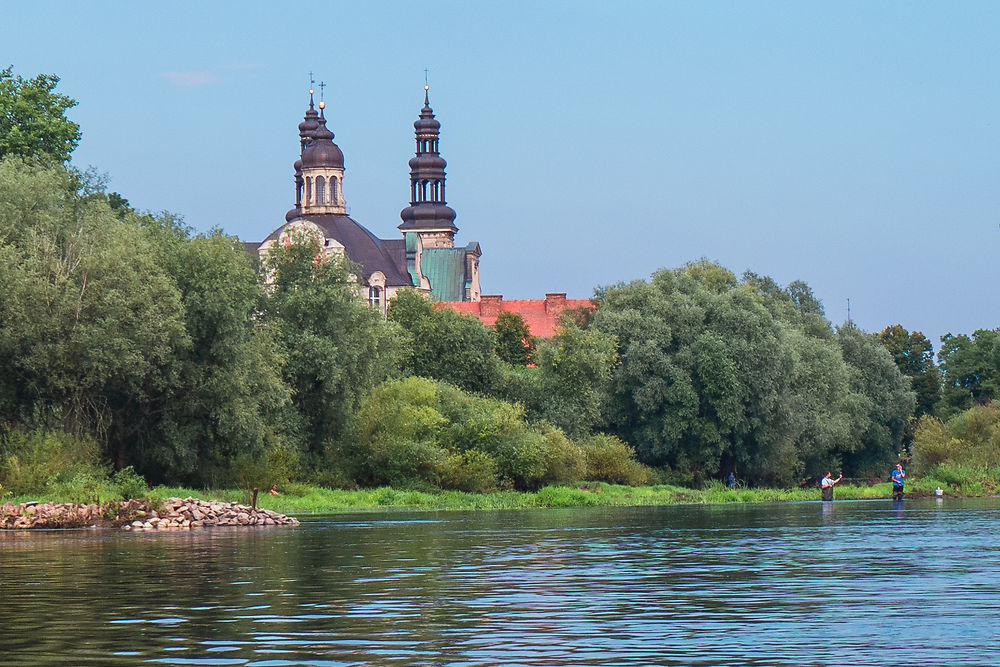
x: 851, y: 145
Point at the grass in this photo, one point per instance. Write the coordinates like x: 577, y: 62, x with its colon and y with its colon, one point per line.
x: 300, y: 500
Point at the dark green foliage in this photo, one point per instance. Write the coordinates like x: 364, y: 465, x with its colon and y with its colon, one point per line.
x: 514, y: 343
x: 970, y: 367
x: 717, y: 374
x: 33, y: 121
x: 336, y: 348
x: 446, y: 345
x: 914, y: 357
x: 573, y: 377
x: 888, y: 402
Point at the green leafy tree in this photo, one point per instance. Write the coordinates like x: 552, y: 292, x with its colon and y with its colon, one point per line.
x: 230, y: 403
x: 514, y: 342
x: 572, y: 381
x: 446, y: 345
x: 33, y: 119
x: 717, y: 374
x: 90, y: 323
x: 970, y: 367
x: 336, y: 347
x: 914, y: 357
x: 889, y: 402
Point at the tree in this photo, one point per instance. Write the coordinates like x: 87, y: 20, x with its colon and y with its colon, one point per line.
x: 90, y: 323
x: 716, y: 374
x: 515, y: 344
x: 971, y: 370
x: 446, y: 345
x: 33, y: 119
x: 336, y: 347
x: 573, y: 379
x: 889, y: 402
x: 914, y: 357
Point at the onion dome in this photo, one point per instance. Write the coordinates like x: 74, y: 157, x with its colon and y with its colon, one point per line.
x: 309, y: 123
x: 321, y: 151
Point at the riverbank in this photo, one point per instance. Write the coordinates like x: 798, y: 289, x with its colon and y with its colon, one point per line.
x: 301, y: 500
x: 298, y: 500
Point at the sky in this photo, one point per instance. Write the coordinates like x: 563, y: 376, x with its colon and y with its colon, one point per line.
x: 851, y: 145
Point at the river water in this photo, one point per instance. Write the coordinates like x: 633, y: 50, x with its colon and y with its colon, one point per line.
x: 844, y: 583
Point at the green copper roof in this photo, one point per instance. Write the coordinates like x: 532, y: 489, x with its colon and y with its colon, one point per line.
x: 444, y: 268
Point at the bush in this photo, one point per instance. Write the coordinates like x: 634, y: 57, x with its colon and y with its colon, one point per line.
x: 471, y: 471
x: 611, y: 460
x: 129, y: 484
x: 39, y: 461
x: 419, y: 430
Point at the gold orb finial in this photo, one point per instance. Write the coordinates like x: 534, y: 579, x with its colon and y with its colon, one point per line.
x: 311, y: 91
x: 322, y: 104
x: 426, y: 87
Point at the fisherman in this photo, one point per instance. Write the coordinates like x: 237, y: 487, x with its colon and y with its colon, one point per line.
x: 731, y: 480
x: 827, y: 484
x: 898, y: 475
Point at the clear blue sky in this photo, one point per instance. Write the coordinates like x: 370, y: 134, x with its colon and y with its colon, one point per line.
x: 853, y: 145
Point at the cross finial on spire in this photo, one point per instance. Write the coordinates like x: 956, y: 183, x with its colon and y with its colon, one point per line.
x: 312, y: 82
x: 322, y: 89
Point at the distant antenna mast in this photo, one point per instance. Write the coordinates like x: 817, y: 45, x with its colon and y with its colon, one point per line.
x: 848, y: 311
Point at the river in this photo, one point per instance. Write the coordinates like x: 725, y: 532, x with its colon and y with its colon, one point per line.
x: 847, y: 583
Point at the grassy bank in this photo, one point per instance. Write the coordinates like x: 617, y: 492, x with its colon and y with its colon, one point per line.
x: 299, y: 501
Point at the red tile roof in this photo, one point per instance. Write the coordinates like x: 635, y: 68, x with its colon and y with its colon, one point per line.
x: 543, y: 316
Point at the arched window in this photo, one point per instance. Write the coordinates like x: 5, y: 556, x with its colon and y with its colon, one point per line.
x: 375, y: 297
x: 334, y: 182
x: 423, y: 190
x: 308, y: 191
x: 320, y: 190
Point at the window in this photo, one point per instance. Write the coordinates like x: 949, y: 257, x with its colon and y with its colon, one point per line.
x: 375, y: 297
x: 320, y: 190
x: 333, y: 190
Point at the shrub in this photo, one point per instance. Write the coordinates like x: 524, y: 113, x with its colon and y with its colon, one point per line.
x: 417, y: 429
x: 564, y: 459
x: 33, y: 462
x: 611, y: 460
x: 128, y: 484
x: 468, y: 471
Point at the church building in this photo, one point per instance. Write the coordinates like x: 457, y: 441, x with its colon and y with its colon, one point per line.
x: 424, y: 257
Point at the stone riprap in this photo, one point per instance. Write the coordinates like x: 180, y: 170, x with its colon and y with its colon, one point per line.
x: 171, y: 514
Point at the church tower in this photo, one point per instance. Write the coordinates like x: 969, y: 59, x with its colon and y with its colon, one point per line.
x: 319, y: 173
x: 428, y: 214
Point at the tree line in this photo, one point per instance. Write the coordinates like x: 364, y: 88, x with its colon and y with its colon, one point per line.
x: 179, y: 355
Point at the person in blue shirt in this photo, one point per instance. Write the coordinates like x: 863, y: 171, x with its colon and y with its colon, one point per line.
x: 898, y: 475
x: 731, y: 480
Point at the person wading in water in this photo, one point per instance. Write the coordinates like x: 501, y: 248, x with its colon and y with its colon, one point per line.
x: 897, y: 482
x: 827, y: 484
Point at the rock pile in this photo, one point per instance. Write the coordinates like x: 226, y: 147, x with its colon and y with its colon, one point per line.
x: 173, y: 513
x: 193, y: 513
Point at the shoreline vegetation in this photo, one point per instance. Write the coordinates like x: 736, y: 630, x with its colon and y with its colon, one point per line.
x: 301, y: 500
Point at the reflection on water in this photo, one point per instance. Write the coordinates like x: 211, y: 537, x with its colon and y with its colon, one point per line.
x: 845, y: 583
